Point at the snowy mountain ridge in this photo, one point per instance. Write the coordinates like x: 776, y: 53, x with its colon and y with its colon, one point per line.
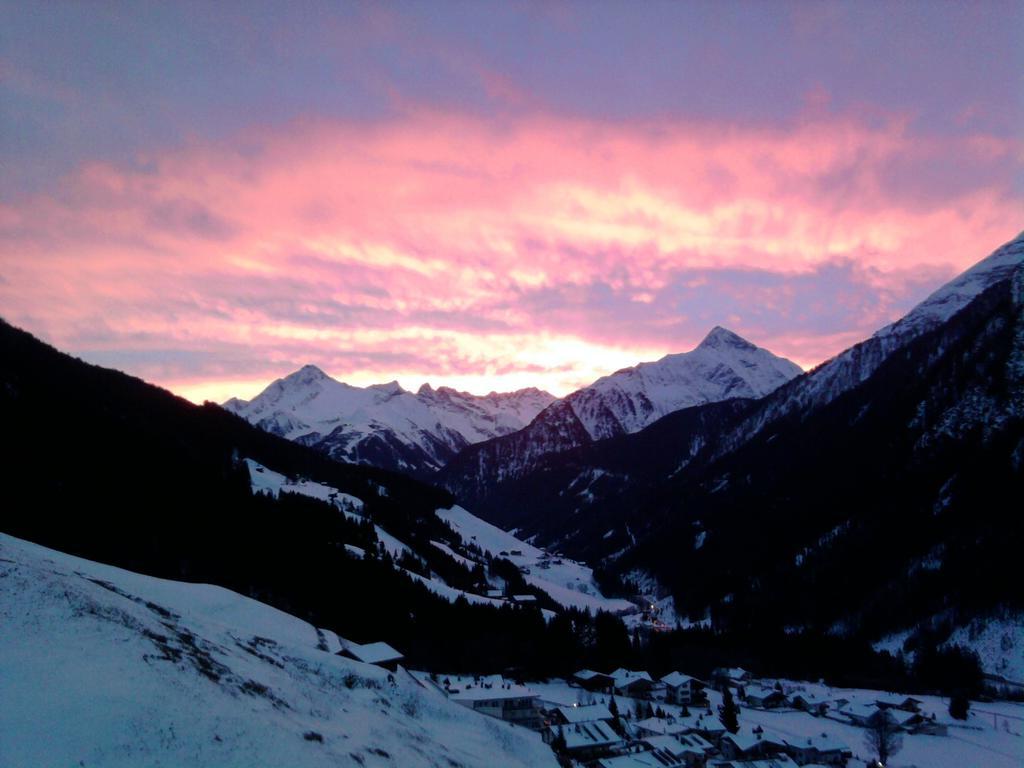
x: 853, y: 366
x: 383, y: 424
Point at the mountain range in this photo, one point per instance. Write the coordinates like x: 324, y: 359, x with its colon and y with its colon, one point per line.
x: 755, y: 494
x: 384, y: 425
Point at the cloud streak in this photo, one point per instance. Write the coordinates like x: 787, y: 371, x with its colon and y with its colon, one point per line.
x: 497, y: 252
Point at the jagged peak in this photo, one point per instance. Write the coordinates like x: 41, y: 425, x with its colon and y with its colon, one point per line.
x: 720, y: 338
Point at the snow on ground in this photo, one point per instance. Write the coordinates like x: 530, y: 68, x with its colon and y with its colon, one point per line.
x: 992, y: 737
x: 569, y: 583
x: 103, y: 667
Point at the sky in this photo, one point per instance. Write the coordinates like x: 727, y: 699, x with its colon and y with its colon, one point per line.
x: 492, y: 195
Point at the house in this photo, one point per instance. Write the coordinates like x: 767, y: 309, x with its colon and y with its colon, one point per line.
x: 379, y: 654
x: 628, y: 682
x: 750, y: 746
x: 524, y: 599
x: 660, y: 726
x: 764, y: 698
x: 859, y: 714
x: 587, y: 713
x: 818, y: 750
x: 683, y: 689
x: 690, y: 749
x: 729, y: 677
x: 584, y: 741
x: 493, y: 696
x: 708, y: 726
x: 807, y: 703
x: 593, y: 681
x: 907, y: 704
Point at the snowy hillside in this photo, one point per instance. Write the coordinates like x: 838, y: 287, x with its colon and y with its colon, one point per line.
x: 568, y: 583
x: 104, y: 667
x: 383, y: 424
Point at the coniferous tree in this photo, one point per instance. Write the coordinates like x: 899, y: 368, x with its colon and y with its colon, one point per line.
x: 729, y: 712
x: 959, y: 705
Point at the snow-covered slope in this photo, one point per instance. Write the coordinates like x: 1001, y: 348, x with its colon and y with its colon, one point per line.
x: 724, y: 365
x: 103, y: 667
x: 383, y: 424
x: 856, y: 364
x: 568, y: 583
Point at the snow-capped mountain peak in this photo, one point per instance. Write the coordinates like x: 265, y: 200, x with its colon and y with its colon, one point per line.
x: 384, y: 424
x: 724, y: 365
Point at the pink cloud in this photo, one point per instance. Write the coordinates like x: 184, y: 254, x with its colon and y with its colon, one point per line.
x: 496, y: 253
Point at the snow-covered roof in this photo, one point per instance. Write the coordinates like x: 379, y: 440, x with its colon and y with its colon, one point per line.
x: 675, y: 679
x: 489, y: 688
x: 760, y: 692
x: 859, y: 710
x: 680, y: 744
x: 824, y: 742
x: 624, y: 676
x: 585, y: 714
x: 589, y: 674
x: 662, y: 726
x: 370, y: 653
x: 592, y: 734
x: 745, y: 741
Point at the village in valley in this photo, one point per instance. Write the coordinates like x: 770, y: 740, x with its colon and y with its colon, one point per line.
x: 631, y: 719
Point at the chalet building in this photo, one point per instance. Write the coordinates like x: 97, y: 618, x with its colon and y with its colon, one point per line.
x: 585, y: 740
x: 708, y: 726
x: 764, y: 698
x: 683, y: 689
x: 379, y: 654
x: 808, y: 703
x: 593, y: 681
x: 633, y: 683
x: 908, y: 704
x: 493, y: 696
x: 819, y: 750
x: 690, y: 750
x: 586, y: 713
x: 729, y: 677
x: 750, y: 746
x: 660, y: 726
x: 859, y: 714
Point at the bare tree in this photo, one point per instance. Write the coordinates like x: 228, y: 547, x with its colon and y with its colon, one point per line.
x: 882, y: 736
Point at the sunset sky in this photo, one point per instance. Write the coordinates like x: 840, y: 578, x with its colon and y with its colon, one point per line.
x: 492, y: 195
